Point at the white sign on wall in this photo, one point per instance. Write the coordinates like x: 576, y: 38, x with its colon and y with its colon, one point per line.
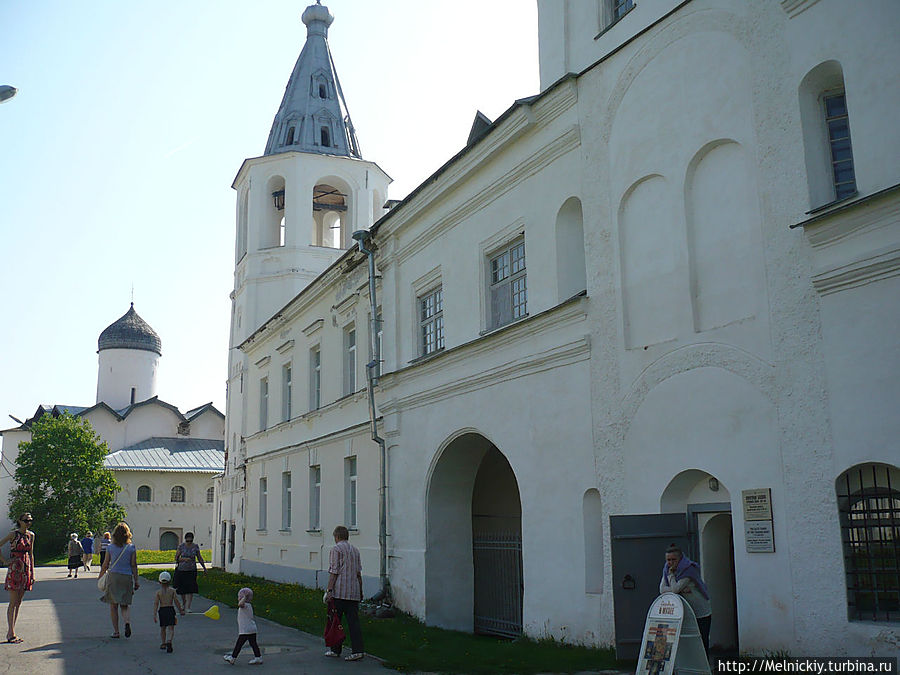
x: 759, y: 529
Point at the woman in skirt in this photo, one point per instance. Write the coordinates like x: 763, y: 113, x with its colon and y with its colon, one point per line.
x: 20, y: 575
x: 186, y: 558
x: 121, y: 565
x: 76, y: 554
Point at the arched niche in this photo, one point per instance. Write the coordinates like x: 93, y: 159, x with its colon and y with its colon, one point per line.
x: 570, y: 262
x: 272, y: 229
x: 333, y: 210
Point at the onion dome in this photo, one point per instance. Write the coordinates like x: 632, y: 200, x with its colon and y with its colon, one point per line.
x: 317, y: 12
x: 130, y: 332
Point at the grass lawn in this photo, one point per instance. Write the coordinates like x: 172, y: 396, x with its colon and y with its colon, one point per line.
x: 144, y: 557
x: 404, y: 642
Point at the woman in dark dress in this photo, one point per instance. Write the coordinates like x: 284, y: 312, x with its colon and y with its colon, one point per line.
x: 187, y: 555
x: 20, y: 575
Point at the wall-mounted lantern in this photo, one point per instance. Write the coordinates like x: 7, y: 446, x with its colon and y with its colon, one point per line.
x: 278, y: 197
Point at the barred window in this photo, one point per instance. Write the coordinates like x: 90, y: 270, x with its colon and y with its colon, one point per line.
x: 143, y: 493
x: 837, y: 122
x: 210, y: 495
x: 508, y: 288
x: 869, y: 507
x: 177, y: 494
x: 431, y: 321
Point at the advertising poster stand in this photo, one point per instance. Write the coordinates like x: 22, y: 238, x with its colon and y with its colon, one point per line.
x: 671, y: 642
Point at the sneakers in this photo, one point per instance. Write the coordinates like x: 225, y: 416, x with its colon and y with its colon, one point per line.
x: 256, y: 661
x: 229, y: 659
x: 355, y: 657
x: 332, y: 654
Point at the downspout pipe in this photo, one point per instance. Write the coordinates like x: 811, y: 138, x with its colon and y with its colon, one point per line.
x: 363, y: 237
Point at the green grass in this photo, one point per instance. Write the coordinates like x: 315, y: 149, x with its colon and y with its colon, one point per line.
x: 404, y: 642
x: 144, y: 557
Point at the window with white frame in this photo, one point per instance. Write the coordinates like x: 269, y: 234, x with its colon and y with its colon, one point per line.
x: 315, y: 378
x: 263, y: 502
x: 315, y: 494
x: 143, y: 493
x: 286, y: 392
x: 431, y: 321
x: 837, y: 124
x: 286, y: 500
x: 263, y: 403
x: 350, y: 492
x: 349, y: 360
x: 210, y: 494
x: 508, y: 291
x: 177, y: 494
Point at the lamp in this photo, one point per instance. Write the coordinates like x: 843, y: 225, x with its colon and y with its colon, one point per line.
x: 714, y: 484
x: 278, y: 197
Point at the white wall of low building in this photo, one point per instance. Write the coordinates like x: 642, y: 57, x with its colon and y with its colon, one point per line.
x: 150, y: 520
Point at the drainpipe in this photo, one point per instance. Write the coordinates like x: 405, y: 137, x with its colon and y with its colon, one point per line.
x: 363, y: 237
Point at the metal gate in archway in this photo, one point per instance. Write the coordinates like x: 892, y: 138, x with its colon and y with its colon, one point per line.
x: 497, y: 559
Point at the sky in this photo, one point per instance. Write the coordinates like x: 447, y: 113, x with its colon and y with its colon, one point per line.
x: 131, y: 121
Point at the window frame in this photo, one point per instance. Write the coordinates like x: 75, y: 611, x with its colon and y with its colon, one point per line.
x: 286, y: 391
x: 264, y: 403
x: 350, y: 359
x: 173, y: 500
x: 433, y: 319
x: 512, y: 275
x: 847, y: 188
x: 286, y: 493
x: 315, y: 498
x: 315, y: 377
x: 211, y: 494
x: 263, y: 503
x: 351, y: 492
x: 149, y: 494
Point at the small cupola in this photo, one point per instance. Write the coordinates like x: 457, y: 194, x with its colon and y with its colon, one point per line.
x: 129, y: 351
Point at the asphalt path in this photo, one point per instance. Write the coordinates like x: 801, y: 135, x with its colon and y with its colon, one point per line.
x: 66, y: 629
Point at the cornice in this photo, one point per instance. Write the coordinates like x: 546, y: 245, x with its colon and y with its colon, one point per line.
x: 794, y: 7
x: 883, y: 264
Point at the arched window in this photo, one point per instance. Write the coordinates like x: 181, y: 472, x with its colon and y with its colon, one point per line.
x: 177, y: 494
x: 325, y: 137
x: 868, y: 498
x: 143, y: 493
x: 290, y: 137
x: 210, y: 495
x: 323, y: 90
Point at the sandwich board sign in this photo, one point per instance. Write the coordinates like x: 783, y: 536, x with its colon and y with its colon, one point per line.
x: 671, y: 641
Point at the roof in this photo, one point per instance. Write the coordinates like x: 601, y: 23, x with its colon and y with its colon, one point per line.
x: 193, y: 413
x: 194, y: 455
x: 313, y: 115
x: 130, y: 332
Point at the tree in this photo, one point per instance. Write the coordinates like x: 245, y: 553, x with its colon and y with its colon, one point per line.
x: 61, y: 481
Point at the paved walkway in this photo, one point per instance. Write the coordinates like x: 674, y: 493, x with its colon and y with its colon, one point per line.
x: 66, y: 630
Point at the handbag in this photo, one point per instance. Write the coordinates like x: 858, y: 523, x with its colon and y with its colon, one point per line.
x: 103, y: 581
x: 334, y: 632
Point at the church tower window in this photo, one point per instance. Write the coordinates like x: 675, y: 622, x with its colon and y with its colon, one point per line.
x: 290, y: 137
x: 323, y: 90
x: 325, y: 137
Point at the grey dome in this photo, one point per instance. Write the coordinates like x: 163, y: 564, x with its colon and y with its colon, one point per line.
x: 130, y: 332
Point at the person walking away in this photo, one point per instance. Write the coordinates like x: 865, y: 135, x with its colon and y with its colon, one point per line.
x: 76, y: 554
x: 246, y: 629
x: 187, y: 555
x: 682, y: 575
x: 87, y: 545
x: 20, y: 572
x: 164, y: 603
x: 104, y: 544
x: 345, y: 587
x: 121, y: 564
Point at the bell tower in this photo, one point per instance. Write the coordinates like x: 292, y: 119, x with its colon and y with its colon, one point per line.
x: 299, y: 202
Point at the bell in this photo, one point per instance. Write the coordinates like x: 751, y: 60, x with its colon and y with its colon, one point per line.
x: 212, y: 613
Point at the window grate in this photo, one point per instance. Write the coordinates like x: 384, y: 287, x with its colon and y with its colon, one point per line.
x: 837, y: 122
x: 869, y: 508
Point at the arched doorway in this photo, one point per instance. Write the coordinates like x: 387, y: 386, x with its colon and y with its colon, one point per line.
x: 168, y: 541
x: 473, y: 556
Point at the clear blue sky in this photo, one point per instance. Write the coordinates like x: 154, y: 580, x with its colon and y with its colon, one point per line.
x: 117, y: 157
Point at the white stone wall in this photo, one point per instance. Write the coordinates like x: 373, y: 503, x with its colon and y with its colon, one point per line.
x: 149, y: 520
x: 120, y: 371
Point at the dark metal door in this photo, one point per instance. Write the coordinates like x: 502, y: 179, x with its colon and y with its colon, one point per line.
x: 638, y: 553
x: 498, y: 583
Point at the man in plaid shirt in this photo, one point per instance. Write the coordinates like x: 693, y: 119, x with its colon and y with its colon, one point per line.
x: 345, y: 587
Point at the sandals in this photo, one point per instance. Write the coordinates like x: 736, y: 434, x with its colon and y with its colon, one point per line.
x: 14, y: 640
x: 115, y: 635
x: 127, y: 630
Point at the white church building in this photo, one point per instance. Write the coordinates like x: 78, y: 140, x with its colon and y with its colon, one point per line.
x: 654, y: 303
x: 164, y: 460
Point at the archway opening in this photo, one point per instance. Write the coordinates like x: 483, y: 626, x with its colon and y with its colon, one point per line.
x: 473, y: 556
x: 329, y: 216
x: 168, y: 541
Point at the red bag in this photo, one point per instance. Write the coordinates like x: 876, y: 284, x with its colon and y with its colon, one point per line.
x: 334, y: 631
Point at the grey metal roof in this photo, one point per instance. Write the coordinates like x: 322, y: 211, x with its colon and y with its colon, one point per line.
x: 196, y: 455
x: 130, y: 332
x: 304, y: 111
